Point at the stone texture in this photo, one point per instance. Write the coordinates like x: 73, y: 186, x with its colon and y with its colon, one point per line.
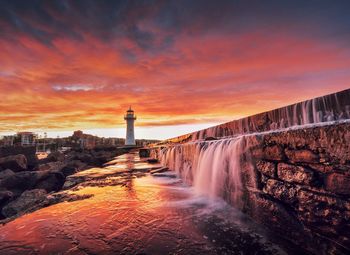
x: 56, y: 156
x: 14, y: 162
x: 302, y: 156
x: 338, y: 183
x: 27, y: 200
x: 6, y: 173
x: 282, y: 191
x: 5, y: 195
x: 266, y: 168
x: 68, y: 170
x: 295, y: 174
x: 51, y: 166
x: 51, y: 181
x: 274, y: 152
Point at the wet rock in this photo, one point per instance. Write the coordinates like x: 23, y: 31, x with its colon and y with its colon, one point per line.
x: 144, y: 153
x: 68, y: 170
x: 27, y: 200
x: 295, y: 174
x: 274, y: 152
x: 5, y: 196
x: 56, y: 156
x: 152, y: 161
x: 267, y: 168
x: 51, y: 166
x: 6, y: 173
x: 338, y: 183
x: 19, y: 182
x: 281, y: 191
x: 79, y: 165
x: 210, y: 138
x: 159, y: 170
x: 325, y: 213
x: 51, y: 181
x: 14, y: 162
x: 303, y: 156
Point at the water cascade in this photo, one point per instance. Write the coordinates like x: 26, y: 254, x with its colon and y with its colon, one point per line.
x: 333, y: 107
x: 213, y: 168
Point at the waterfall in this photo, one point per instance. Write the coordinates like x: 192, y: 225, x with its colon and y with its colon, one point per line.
x: 333, y: 107
x: 213, y: 168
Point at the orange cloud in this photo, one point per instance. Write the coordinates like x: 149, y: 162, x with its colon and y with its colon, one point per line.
x: 174, y: 79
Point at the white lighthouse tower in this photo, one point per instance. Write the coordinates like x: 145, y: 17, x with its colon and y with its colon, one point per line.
x: 130, y: 118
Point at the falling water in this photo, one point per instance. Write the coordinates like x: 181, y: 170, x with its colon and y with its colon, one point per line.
x: 328, y: 108
x: 213, y: 168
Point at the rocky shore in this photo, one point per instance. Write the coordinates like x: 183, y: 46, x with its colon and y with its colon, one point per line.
x: 27, y: 183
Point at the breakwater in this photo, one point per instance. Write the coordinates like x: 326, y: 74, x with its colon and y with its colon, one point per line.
x: 288, y: 169
x: 294, y: 181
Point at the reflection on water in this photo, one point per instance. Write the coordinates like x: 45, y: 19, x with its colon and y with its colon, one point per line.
x: 148, y: 215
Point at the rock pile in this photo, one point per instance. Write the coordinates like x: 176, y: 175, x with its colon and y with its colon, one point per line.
x: 23, y: 187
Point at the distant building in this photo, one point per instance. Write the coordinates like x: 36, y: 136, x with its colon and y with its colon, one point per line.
x: 130, y: 119
x: 26, y: 138
x: 7, y: 140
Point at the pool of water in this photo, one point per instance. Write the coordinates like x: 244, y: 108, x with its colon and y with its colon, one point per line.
x: 146, y: 215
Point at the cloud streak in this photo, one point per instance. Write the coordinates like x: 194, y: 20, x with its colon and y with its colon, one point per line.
x: 80, y: 64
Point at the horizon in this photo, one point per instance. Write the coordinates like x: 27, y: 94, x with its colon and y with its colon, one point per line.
x: 176, y: 130
x: 183, y: 66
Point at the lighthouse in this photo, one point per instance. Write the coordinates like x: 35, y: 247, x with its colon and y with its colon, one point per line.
x: 130, y: 118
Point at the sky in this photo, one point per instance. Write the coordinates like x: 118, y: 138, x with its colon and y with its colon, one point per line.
x: 181, y: 65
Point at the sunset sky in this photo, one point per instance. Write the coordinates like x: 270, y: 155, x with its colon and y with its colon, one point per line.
x: 181, y: 65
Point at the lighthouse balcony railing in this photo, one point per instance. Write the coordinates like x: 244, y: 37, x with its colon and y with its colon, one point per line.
x: 126, y: 117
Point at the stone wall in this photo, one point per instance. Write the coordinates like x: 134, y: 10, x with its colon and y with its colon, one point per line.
x: 327, y: 108
x: 303, y: 186
x: 297, y: 182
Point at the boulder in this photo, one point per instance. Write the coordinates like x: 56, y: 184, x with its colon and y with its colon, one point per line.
x: 19, y: 182
x: 5, y: 196
x: 56, y: 156
x: 51, y: 166
x: 26, y: 201
x: 50, y: 181
x: 295, y: 174
x: 68, y: 170
x: 14, y: 162
x: 6, y: 173
x: 77, y: 164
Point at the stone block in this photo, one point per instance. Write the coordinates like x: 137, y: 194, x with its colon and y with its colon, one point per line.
x: 274, y: 152
x: 266, y: 168
x: 302, y: 156
x: 282, y: 191
x: 295, y: 174
x: 338, y: 183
